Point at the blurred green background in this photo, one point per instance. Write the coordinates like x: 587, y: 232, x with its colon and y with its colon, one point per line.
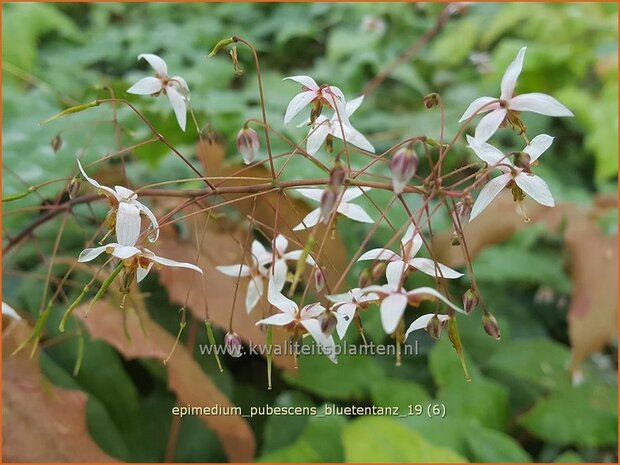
x: 521, y: 405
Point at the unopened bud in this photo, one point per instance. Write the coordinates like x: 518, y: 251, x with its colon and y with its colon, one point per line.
x: 319, y: 279
x: 365, y: 279
x: 233, y: 344
x: 56, y: 143
x: 462, y: 211
x: 431, y: 100
x: 522, y: 160
x: 74, y: 187
x: 238, y: 70
x: 489, y: 323
x: 378, y: 270
x: 470, y: 301
x: 404, y: 165
x: 329, y: 201
x: 328, y: 322
x: 248, y: 144
x: 337, y: 175
x: 434, y: 327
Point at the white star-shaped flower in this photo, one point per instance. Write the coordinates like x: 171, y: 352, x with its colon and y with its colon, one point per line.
x: 174, y: 87
x: 508, y: 103
x: 350, y: 210
x: 422, y: 322
x: 311, y: 92
x: 346, y: 304
x: 128, y: 211
x: 411, y: 243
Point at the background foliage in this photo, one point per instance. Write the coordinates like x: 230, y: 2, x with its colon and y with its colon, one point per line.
x: 521, y: 405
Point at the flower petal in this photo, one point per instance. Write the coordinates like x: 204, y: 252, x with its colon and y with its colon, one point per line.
x: 168, y: 262
x: 379, y: 254
x: 309, y: 220
x: 353, y: 136
x: 509, y: 80
x: 344, y: 317
x: 411, y: 241
x: 10, y: 311
x: 297, y: 104
x: 156, y: 63
x: 87, y: 255
x: 486, y: 152
x: 311, y: 311
x: 234, y: 270
x: 488, y: 193
x: 432, y: 294
x: 421, y: 322
x: 179, y: 105
x: 394, y: 272
x: 295, y: 254
x: 327, y: 344
x: 146, y: 86
x: 312, y: 194
x: 539, y: 103
x: 149, y: 214
x: 279, y: 319
x: 127, y: 223
x: 317, y: 135
x: 537, y: 146
x: 142, y: 272
x: 353, y: 105
x: 94, y: 183
x: 392, y: 309
x: 280, y: 270
x: 281, y: 244
x: 428, y: 266
x: 353, y: 193
x: 122, y: 193
x: 476, y: 107
x: 305, y: 81
x: 535, y: 187
x: 489, y: 124
x: 279, y: 301
x: 254, y: 293
x: 355, y: 212
x: 125, y: 251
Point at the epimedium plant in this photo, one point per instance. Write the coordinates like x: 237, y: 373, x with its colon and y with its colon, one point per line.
x: 302, y: 300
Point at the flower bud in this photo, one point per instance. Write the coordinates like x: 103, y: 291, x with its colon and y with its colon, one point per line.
x: 434, y: 327
x: 431, y: 100
x: 329, y: 201
x: 56, y: 143
x: 337, y: 175
x: 248, y: 144
x: 319, y: 279
x: 328, y: 322
x: 378, y: 270
x: 489, y: 323
x: 462, y: 211
x: 404, y: 165
x: 470, y: 301
x: 238, y: 70
x: 233, y: 344
x: 74, y: 187
x: 365, y: 279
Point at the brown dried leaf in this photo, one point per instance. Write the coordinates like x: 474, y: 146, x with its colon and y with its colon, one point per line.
x: 185, y: 377
x: 41, y: 422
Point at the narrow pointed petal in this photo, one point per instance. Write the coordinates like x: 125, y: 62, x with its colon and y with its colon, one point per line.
x: 311, y: 219
x: 295, y: 254
x: 479, y: 106
x: 254, y: 293
x: 297, y: 104
x: 125, y: 251
x: 168, y: 262
x: 355, y: 212
x: 312, y: 194
x: 141, y: 273
x: 311, y: 311
x: 327, y: 344
x: 179, y: 105
x: 353, y: 193
x: 281, y: 244
x: 280, y: 270
x: 317, y: 136
x: 394, y: 272
x: 258, y: 250
x: 412, y: 241
x: 156, y: 63
x: 489, y: 124
x: 279, y: 319
x: 234, y: 270
x: 392, y: 309
x: 10, y: 311
x: 432, y: 268
x: 509, y: 80
x: 181, y: 84
x: 127, y: 223
x: 535, y: 187
x: 87, y: 255
x: 146, y: 86
x: 353, y: 137
x: 122, y: 193
x: 537, y: 146
x: 336, y: 99
x: 486, y: 152
x: 149, y: 214
x: 488, y: 193
x: 305, y: 81
x: 353, y: 105
x: 539, y: 103
x: 421, y: 322
x: 94, y: 183
x: 279, y: 301
x: 344, y: 316
x: 432, y: 294
x: 379, y: 254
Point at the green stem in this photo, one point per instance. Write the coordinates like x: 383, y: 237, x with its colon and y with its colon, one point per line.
x: 212, y: 342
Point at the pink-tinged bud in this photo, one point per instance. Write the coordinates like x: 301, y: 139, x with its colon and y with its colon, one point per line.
x: 233, y: 344
x: 378, y: 270
x: 319, y: 279
x: 328, y: 322
x: 489, y: 323
x: 337, y: 175
x: 329, y: 201
x: 404, y: 165
x: 434, y: 327
x: 248, y: 144
x: 470, y: 301
x: 56, y: 143
x: 365, y: 279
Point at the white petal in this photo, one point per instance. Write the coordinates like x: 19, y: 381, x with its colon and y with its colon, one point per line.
x: 94, y: 183
x: 122, y: 193
x: 254, y: 293
x: 411, y: 241
x: 279, y: 319
x: 279, y: 301
x: 327, y: 343
x: 125, y: 251
x: 429, y: 291
x: 311, y: 311
x: 310, y: 220
x: 305, y: 81
x: 234, y: 270
x: 422, y: 322
x: 280, y: 270
x: 316, y: 137
x: 127, y: 223
x: 340, y: 298
x: 535, y: 187
x: 344, y: 317
x: 488, y: 193
x: 379, y: 254
x: 258, y: 250
x: 297, y: 104
x: 295, y: 254
x: 537, y: 146
x: 476, y: 107
x: 486, y: 152
x: 146, y: 86
x: 392, y: 309
x: 281, y: 244
x: 149, y: 214
x: 353, y: 105
x: 312, y: 194
x: 142, y: 272
x: 10, y: 311
x: 539, y: 103
x: 394, y: 272
x: 336, y: 99
x: 428, y: 266
x: 509, y: 80
x: 353, y: 193
x: 87, y: 255
x: 179, y: 105
x: 156, y: 63
x: 353, y: 136
x: 182, y: 84
x: 489, y: 124
x: 168, y: 262
x: 355, y: 212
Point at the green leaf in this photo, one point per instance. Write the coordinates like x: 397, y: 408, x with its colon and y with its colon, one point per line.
x: 392, y: 392
x: 487, y: 445
x: 281, y: 430
x: 376, y: 439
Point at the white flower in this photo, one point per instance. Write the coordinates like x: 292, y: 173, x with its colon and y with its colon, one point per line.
x: 345, y: 305
x: 411, y: 243
x: 395, y: 297
x: 331, y: 96
x: 508, y: 103
x: 532, y: 185
x: 10, y: 311
x: 140, y: 258
x: 422, y: 322
x: 128, y: 211
x: 174, y: 87
x: 307, y: 318
x: 324, y: 127
x: 350, y: 210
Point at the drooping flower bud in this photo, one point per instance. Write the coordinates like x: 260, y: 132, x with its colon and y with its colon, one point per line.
x: 319, y: 279
x: 431, y: 100
x: 470, y: 301
x: 378, y: 270
x: 329, y: 201
x: 74, y: 187
x: 365, y: 278
x: 56, y: 143
x: 489, y: 323
x: 233, y: 344
x: 434, y: 327
x: 248, y: 144
x: 328, y: 322
x: 337, y: 175
x: 404, y: 165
